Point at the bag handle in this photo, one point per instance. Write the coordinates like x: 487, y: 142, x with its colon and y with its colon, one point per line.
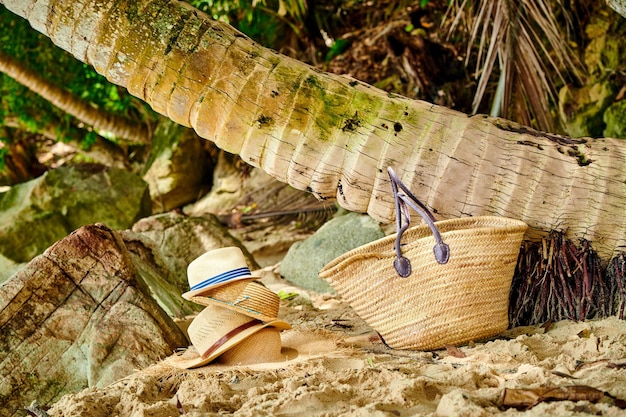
x: 403, y: 201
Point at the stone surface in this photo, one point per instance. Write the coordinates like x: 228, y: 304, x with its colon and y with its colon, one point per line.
x: 582, y: 108
x: 305, y: 259
x: 76, y: 317
x: 269, y: 245
x: 161, y: 275
x: 267, y: 216
x: 230, y: 186
x: 35, y: 214
x: 178, y: 170
x: 181, y: 239
x: 7, y: 268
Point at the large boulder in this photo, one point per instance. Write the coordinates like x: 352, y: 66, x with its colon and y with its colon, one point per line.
x: 78, y: 316
x: 35, y: 214
x: 232, y: 182
x: 266, y: 215
x: 178, y: 169
x: 163, y: 245
x: 180, y: 239
x: 305, y: 259
x: 161, y: 276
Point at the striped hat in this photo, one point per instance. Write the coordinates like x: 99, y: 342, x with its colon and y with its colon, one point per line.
x: 216, y: 268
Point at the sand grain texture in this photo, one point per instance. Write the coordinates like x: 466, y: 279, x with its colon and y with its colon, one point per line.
x: 343, y: 369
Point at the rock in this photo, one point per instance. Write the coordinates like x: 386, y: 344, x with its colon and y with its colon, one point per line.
x: 178, y: 167
x: 162, y: 276
x: 615, y: 120
x: 7, y: 268
x: 181, y: 239
x: 266, y: 215
x: 582, y: 108
x: 305, y: 259
x: 269, y: 244
x: 230, y: 186
x: 77, y: 317
x: 35, y: 214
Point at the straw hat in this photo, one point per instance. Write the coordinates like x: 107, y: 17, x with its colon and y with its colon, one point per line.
x: 215, y: 268
x: 246, y: 297
x: 215, y: 330
x: 264, y: 346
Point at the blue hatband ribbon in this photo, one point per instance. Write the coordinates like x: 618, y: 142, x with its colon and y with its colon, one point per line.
x: 223, y: 277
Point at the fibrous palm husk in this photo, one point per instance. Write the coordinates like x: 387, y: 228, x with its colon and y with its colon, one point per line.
x: 557, y: 279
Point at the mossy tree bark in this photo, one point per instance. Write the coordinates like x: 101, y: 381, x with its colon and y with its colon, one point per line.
x: 335, y: 136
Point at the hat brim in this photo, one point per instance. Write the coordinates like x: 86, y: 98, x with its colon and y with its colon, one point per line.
x: 192, y: 359
x: 210, y: 301
x: 189, y: 294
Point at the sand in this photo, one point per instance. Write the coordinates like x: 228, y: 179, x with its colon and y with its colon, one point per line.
x: 343, y: 369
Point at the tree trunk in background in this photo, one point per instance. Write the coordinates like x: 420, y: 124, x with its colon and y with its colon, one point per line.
x: 99, y: 119
x: 335, y: 136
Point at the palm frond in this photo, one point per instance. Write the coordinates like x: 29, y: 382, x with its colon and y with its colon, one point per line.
x: 527, y: 44
x: 272, y: 203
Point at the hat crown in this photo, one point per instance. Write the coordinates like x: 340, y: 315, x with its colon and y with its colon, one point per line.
x: 214, y: 327
x: 216, y: 267
x: 216, y: 330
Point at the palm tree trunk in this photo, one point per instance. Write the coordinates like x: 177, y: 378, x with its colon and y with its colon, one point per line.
x: 335, y: 136
x: 83, y: 111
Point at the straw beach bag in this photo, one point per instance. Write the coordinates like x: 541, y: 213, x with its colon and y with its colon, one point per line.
x: 443, y: 283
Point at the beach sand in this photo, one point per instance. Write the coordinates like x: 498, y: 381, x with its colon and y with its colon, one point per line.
x: 342, y: 368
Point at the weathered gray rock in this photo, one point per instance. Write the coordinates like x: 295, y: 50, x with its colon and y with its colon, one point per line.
x: 266, y: 215
x: 77, y: 317
x: 181, y: 239
x: 178, y: 170
x: 35, y: 214
x: 161, y: 276
x: 305, y: 259
x: 7, y: 268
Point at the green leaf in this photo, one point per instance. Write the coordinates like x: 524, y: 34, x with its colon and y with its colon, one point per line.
x: 287, y: 295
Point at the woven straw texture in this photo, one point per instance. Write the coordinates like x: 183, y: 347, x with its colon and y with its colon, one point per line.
x: 439, y: 304
x: 247, y: 297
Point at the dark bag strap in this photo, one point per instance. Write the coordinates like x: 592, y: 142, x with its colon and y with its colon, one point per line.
x: 404, y: 200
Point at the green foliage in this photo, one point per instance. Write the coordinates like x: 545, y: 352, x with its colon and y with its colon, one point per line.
x: 266, y: 21
x: 4, y: 150
x: 90, y: 138
x: 28, y: 110
x: 526, y: 44
x: 338, y: 47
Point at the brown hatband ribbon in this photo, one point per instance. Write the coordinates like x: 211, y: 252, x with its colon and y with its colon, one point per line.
x: 229, y: 336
